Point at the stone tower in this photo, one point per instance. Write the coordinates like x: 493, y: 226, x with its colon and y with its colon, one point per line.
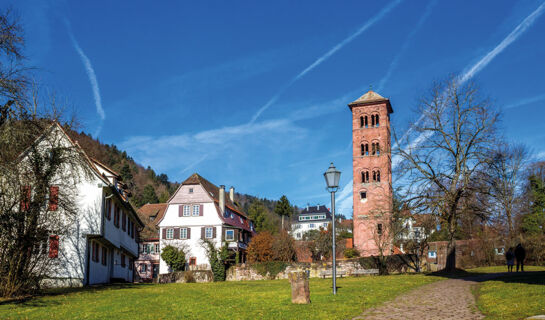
x: 372, y: 165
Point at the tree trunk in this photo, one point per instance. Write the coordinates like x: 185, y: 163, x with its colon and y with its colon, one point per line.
x: 450, y: 264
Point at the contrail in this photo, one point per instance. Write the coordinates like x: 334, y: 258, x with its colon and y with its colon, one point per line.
x: 482, y: 63
x: 523, y: 26
x: 328, y: 54
x: 92, y: 76
x: 525, y: 101
x: 406, y: 44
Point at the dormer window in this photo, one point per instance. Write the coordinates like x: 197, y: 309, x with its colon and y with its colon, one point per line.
x: 190, y: 190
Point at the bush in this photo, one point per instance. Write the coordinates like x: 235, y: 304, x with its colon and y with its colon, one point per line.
x: 351, y: 253
x: 272, y: 268
x: 260, y: 248
x: 189, y: 277
x: 284, y: 248
x: 173, y: 257
x: 217, y: 259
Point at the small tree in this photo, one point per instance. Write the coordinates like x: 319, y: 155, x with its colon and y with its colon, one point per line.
x: 217, y: 259
x: 283, y: 247
x: 174, y: 258
x: 260, y: 248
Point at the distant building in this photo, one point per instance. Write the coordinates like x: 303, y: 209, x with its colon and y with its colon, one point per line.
x: 147, y: 264
x: 200, y: 211
x: 310, y: 218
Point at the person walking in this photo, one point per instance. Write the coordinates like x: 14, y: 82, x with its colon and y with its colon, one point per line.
x: 510, y: 257
x: 520, y: 254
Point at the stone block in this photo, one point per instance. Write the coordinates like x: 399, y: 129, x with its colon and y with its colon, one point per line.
x: 300, y: 291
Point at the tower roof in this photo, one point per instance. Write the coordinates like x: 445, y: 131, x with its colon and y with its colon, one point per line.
x: 371, y: 98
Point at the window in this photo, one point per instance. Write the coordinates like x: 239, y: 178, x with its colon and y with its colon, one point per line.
x: 104, y: 256
x: 183, y: 233
x: 229, y: 235
x: 107, y: 209
x: 53, y: 246
x: 124, y: 221
x: 365, y: 177
x: 432, y: 254
x: 130, y: 263
x: 192, y: 261
x: 364, y: 149
x: 208, y: 232
x: 363, y: 195
x: 196, y: 210
x: 53, y: 198
x: 170, y: 233
x: 143, y: 267
x: 361, y: 122
x: 325, y: 224
x: 123, y: 261
x: 116, y: 217
x: 312, y: 226
x: 375, y: 149
x: 94, y: 251
x: 26, y: 195
x: 187, y: 210
x: 372, y: 120
x: 157, y: 248
x: 379, y: 229
x: 190, y: 190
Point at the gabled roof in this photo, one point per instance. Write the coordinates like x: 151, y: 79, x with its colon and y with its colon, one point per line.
x: 313, y: 210
x: 151, y: 214
x: 213, y: 191
x: 371, y: 98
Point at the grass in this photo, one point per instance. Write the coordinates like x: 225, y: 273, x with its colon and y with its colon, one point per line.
x: 220, y: 300
x: 514, y: 296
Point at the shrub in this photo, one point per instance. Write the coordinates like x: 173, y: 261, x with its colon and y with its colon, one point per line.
x: 284, y: 247
x: 260, y: 248
x: 351, y: 253
x: 189, y: 277
x: 272, y: 268
x: 217, y: 259
x: 173, y: 257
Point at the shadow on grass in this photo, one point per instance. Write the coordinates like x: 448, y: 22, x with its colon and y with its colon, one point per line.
x: 528, y: 277
x: 35, y: 301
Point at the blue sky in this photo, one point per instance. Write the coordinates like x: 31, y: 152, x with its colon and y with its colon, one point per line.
x: 255, y: 94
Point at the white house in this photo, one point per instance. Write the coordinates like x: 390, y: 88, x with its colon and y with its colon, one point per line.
x: 199, y: 211
x: 101, y: 241
x: 310, y: 218
x: 147, y: 264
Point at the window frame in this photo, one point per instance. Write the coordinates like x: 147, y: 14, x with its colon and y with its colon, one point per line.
x: 196, y: 210
x: 170, y: 231
x: 187, y: 210
x: 211, y: 229
x: 182, y: 236
x: 227, y: 232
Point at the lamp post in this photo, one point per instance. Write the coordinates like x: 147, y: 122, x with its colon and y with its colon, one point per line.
x: 332, y: 177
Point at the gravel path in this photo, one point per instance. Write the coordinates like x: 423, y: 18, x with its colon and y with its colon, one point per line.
x: 447, y: 299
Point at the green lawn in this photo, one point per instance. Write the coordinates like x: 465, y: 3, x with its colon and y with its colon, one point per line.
x: 222, y: 300
x: 515, y: 296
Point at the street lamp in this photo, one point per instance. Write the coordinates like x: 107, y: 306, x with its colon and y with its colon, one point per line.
x: 332, y: 177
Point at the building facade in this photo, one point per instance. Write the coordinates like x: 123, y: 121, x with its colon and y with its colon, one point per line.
x: 310, y: 218
x: 100, y: 241
x: 147, y: 264
x: 199, y: 211
x: 372, y: 176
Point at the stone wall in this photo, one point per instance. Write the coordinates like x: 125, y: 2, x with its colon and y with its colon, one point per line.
x: 186, y: 276
x: 345, y: 268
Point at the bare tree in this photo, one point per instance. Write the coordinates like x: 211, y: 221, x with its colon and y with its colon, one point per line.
x: 503, y: 178
x: 443, y: 153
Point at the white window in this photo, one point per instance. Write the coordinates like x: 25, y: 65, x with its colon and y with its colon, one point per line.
x: 190, y: 190
x: 432, y: 254
x: 170, y: 233
x: 196, y: 210
x: 143, y: 267
x: 187, y: 211
x: 241, y: 221
x: 298, y: 236
x: 312, y: 226
x: 325, y: 224
x: 208, y: 232
x: 229, y: 235
x: 183, y: 233
x: 157, y: 248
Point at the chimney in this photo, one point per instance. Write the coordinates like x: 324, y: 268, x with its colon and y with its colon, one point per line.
x: 232, y: 194
x: 222, y: 199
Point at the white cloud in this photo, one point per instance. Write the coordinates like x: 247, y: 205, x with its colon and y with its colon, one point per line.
x: 326, y: 56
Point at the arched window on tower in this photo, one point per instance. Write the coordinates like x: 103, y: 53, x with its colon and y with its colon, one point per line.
x: 376, y: 120
x: 361, y: 122
x: 375, y: 149
x: 364, y: 149
x: 365, y: 121
x: 378, y: 176
x: 374, y: 176
x: 365, y: 177
x: 372, y: 120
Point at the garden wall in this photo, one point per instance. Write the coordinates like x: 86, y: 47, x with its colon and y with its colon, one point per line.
x: 186, y: 276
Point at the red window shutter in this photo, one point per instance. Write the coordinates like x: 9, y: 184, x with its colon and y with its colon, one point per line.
x: 214, y: 232
x: 164, y: 233
x: 188, y: 233
x: 53, y: 246
x: 26, y: 193
x: 201, y: 210
x: 176, y: 233
x: 53, y: 198
x: 180, y: 210
x: 202, y: 233
x: 124, y: 221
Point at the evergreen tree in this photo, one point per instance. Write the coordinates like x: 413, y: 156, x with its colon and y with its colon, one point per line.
x: 126, y: 173
x: 283, y: 208
x: 148, y: 195
x: 533, y: 222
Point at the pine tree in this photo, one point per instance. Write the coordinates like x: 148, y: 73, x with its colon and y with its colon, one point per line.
x: 283, y: 208
x: 148, y: 195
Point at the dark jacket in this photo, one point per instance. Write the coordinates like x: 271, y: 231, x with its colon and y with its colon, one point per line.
x: 520, y: 253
